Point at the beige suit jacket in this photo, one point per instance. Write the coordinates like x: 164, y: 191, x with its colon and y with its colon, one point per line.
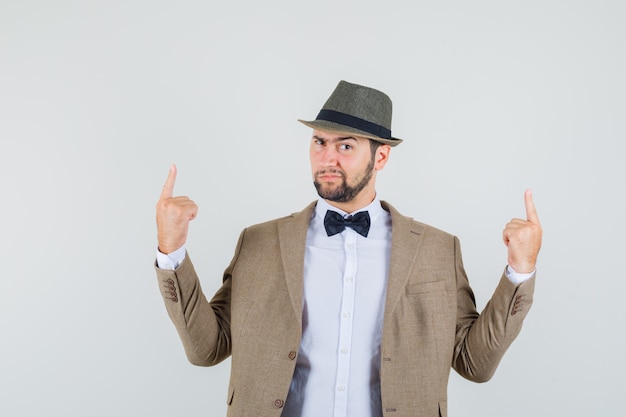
x: 430, y: 319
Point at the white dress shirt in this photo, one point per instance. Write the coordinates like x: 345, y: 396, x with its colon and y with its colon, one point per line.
x: 345, y: 277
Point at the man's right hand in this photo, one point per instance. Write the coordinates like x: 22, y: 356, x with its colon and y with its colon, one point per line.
x: 173, y: 215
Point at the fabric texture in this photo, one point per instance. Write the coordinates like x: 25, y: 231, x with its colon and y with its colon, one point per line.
x: 358, y: 110
x: 336, y: 223
x: 430, y: 320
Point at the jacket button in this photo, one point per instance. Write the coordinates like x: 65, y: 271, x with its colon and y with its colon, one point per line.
x: 292, y: 355
x: 279, y: 403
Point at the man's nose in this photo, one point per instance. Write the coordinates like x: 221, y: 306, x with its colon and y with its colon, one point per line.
x: 329, y: 156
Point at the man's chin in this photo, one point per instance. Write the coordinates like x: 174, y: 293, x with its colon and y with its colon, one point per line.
x: 334, y: 197
x: 335, y: 193
x: 331, y: 195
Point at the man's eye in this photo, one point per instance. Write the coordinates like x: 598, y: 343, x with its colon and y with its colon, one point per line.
x: 345, y: 147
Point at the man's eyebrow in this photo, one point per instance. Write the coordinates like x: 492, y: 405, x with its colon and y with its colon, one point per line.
x: 335, y: 139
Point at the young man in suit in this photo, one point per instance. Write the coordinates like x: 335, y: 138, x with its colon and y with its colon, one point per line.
x: 347, y: 308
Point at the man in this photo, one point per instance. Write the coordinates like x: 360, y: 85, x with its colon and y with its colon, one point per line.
x: 346, y: 308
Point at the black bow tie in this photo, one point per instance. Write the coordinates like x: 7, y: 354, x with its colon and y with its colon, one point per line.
x: 336, y: 223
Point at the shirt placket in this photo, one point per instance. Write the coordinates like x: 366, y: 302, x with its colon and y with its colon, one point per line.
x: 346, y: 323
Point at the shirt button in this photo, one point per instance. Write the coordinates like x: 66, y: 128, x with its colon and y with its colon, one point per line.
x: 279, y: 403
x: 292, y: 355
x: 341, y: 388
x: 349, y: 279
x: 344, y: 350
x: 346, y: 315
x: 350, y: 246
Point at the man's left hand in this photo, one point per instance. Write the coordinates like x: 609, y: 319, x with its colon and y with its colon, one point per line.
x: 523, y: 238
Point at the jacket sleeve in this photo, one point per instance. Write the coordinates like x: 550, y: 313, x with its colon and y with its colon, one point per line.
x: 203, y: 326
x: 481, y: 340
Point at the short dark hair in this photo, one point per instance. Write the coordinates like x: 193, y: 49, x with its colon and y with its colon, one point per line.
x: 373, y: 146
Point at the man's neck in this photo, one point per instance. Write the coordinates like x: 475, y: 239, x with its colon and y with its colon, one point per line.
x: 353, y: 205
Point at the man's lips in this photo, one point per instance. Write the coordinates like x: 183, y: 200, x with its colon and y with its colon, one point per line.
x: 329, y: 176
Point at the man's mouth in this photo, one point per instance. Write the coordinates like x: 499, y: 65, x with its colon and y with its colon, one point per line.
x: 329, y: 175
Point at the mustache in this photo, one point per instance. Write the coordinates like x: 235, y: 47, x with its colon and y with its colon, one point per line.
x: 330, y: 171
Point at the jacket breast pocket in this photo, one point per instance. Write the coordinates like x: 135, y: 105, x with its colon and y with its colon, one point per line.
x: 424, y: 287
x: 231, y: 394
x: 443, y: 409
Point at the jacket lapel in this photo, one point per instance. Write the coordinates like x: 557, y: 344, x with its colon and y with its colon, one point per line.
x: 292, y: 231
x: 406, y: 239
x: 407, y: 236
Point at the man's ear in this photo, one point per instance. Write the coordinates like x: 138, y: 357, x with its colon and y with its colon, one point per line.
x: 381, y: 157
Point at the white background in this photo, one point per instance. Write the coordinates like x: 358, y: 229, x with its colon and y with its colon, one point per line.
x: 97, y: 98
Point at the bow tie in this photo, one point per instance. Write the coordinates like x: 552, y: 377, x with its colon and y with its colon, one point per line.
x: 336, y: 223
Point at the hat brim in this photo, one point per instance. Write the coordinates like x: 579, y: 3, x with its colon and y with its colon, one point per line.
x: 338, y: 128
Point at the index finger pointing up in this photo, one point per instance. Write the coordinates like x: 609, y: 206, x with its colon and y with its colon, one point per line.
x: 168, y: 188
x: 531, y: 212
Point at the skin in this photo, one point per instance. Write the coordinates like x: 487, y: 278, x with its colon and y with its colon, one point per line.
x: 523, y: 238
x: 340, y: 162
x: 173, y: 216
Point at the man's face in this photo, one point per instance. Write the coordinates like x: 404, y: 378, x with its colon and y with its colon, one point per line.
x: 342, y: 165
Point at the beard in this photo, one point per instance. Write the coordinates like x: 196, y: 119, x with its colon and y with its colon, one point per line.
x: 343, y: 192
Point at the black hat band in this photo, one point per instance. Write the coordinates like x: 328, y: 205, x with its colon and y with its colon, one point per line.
x: 354, y: 122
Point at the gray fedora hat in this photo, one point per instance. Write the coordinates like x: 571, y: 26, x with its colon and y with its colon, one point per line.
x: 357, y: 110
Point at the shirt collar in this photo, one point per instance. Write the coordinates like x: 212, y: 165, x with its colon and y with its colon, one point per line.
x: 374, y: 208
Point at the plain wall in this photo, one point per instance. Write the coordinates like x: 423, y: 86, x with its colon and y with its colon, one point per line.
x: 97, y: 98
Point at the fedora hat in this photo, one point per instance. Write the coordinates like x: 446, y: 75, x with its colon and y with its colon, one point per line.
x: 356, y: 110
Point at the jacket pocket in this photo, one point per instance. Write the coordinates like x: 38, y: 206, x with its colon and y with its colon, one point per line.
x: 423, y: 287
x: 443, y: 409
x: 231, y: 394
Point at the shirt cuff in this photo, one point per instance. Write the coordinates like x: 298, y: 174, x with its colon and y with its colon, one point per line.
x: 516, y: 277
x: 172, y: 260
